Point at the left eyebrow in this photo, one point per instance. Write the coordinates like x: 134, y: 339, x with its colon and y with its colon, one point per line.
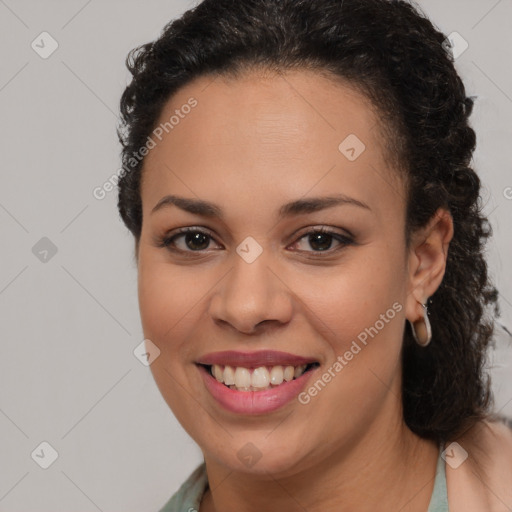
x: 315, y: 204
x: 300, y: 206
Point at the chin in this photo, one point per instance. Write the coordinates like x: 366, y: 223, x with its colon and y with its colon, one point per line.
x: 258, y: 456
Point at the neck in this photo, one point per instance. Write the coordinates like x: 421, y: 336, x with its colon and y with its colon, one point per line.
x: 388, y: 468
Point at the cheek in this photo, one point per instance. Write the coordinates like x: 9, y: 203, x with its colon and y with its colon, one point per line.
x: 168, y: 302
x: 364, y: 292
x: 359, y: 311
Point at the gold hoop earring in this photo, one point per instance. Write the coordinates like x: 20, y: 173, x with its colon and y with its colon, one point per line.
x: 421, y: 329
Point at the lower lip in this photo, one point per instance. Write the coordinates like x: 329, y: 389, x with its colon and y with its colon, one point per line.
x: 254, y: 402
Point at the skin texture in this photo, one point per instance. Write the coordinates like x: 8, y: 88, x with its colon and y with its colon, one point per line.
x: 251, y: 145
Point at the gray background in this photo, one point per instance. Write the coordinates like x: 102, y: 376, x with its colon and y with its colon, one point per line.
x: 70, y: 323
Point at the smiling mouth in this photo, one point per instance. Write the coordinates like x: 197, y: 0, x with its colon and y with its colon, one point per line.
x: 259, y: 378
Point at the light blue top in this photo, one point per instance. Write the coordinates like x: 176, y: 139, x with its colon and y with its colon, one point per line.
x: 189, y: 495
x: 439, y: 498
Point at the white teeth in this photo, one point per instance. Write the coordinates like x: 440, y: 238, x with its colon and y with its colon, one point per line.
x: 289, y: 373
x: 260, y: 378
x: 299, y: 370
x: 244, y: 379
x: 229, y: 375
x: 217, y: 372
x: 276, y: 375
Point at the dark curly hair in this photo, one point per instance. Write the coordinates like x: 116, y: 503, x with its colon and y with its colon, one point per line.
x: 390, y: 51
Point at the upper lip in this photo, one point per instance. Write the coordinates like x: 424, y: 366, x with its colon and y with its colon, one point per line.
x: 254, y: 359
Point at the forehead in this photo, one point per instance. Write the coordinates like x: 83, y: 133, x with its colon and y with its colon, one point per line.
x: 268, y: 136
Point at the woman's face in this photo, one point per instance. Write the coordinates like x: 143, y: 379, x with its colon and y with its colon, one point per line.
x: 249, y: 278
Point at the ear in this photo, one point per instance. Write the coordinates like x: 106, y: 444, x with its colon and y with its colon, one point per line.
x: 426, y: 261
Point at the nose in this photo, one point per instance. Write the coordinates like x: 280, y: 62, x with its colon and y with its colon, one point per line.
x: 250, y: 296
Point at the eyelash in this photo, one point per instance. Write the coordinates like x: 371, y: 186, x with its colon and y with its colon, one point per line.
x: 167, y: 241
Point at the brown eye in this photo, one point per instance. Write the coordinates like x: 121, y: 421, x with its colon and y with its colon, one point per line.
x: 321, y: 240
x: 195, y: 241
x: 187, y: 240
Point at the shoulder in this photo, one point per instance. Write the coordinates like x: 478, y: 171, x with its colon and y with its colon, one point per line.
x: 188, y: 497
x: 483, y: 479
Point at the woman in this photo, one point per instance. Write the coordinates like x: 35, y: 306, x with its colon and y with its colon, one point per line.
x: 310, y: 251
